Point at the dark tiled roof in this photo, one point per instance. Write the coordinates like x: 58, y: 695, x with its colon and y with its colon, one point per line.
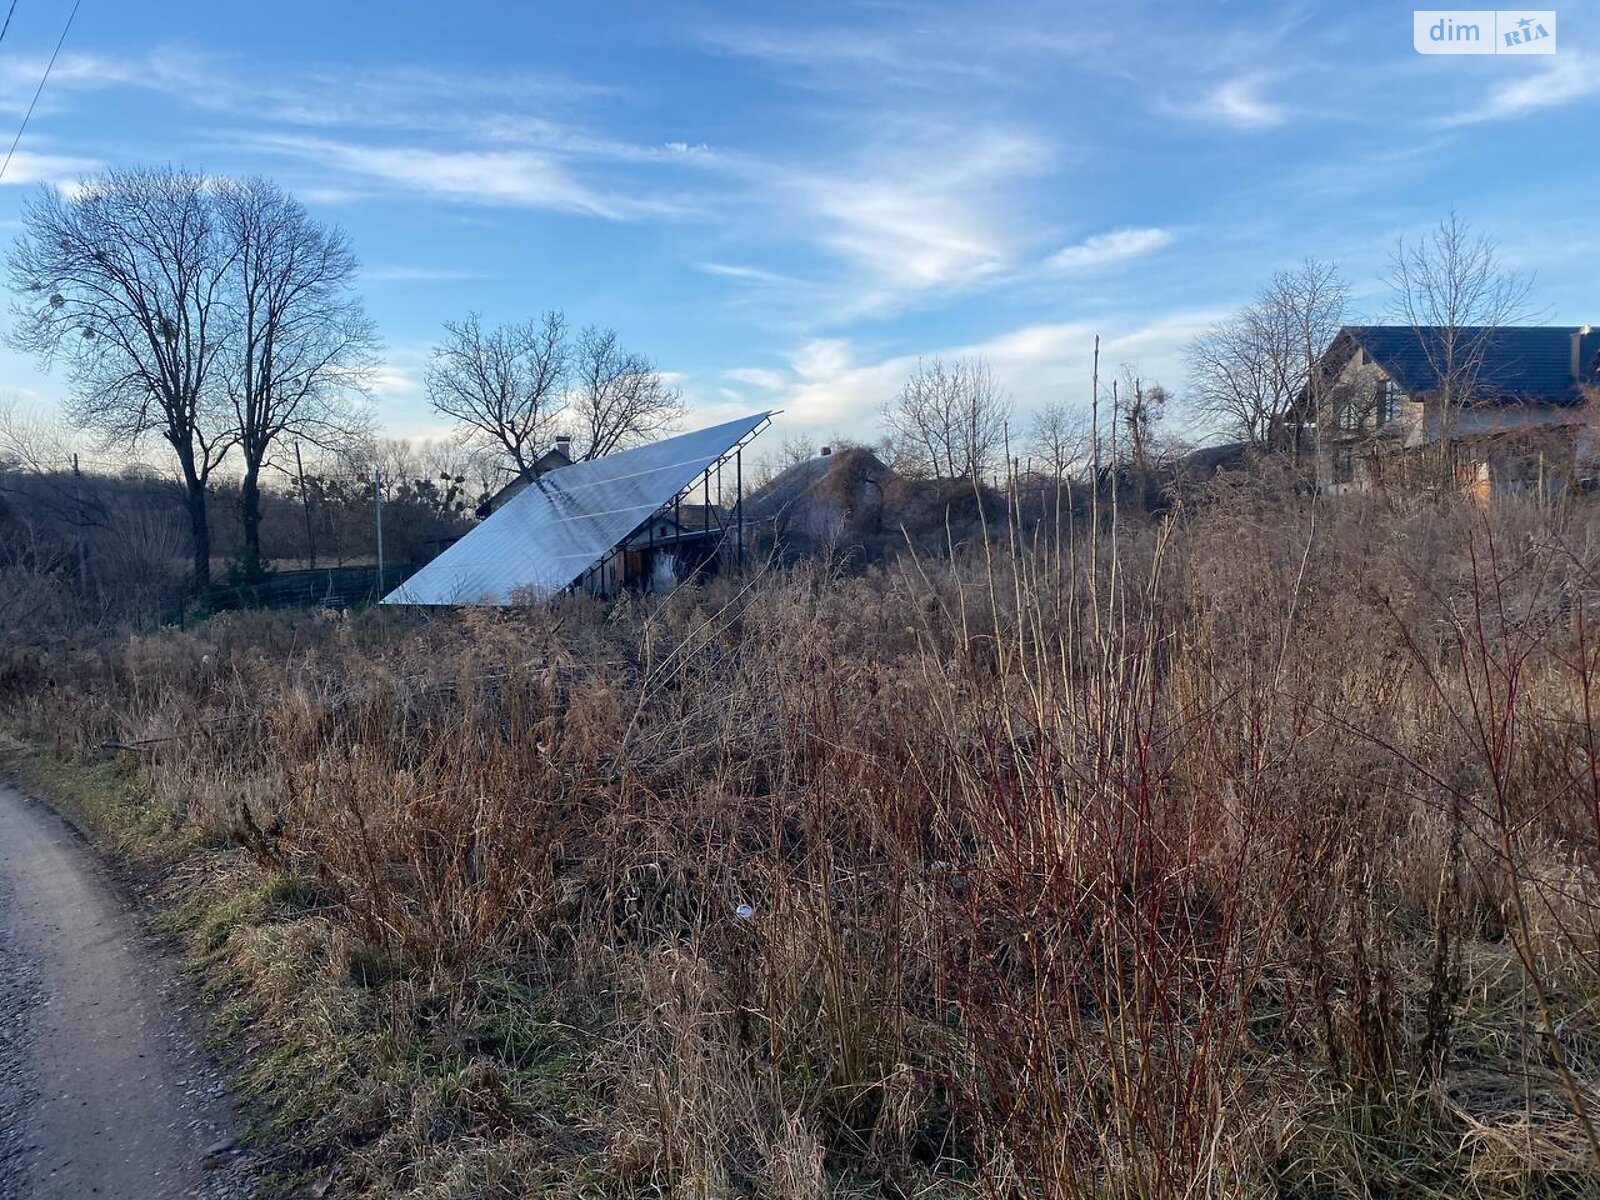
x: 1521, y: 363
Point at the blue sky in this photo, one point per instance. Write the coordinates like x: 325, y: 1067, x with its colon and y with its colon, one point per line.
x: 785, y: 205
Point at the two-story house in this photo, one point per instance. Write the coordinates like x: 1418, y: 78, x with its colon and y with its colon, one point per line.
x: 1498, y: 410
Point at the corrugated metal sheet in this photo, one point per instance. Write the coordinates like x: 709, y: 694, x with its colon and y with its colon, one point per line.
x: 563, y: 523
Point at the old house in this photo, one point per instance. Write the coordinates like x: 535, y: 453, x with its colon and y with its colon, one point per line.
x: 1501, y: 411
x: 553, y: 459
x: 831, y: 498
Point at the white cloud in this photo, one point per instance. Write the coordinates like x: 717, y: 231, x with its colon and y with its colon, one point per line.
x: 404, y: 274
x: 745, y: 273
x: 827, y: 386
x: 498, y: 151
x: 63, y: 170
x: 924, y: 56
x: 520, y: 178
x: 930, y: 214
x: 1239, y: 102
x: 321, y: 194
x: 389, y: 382
x: 1106, y: 249
x: 760, y: 377
x: 1559, y: 80
x: 324, y: 96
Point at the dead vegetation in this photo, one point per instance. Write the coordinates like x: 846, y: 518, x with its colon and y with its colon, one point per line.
x: 1253, y: 852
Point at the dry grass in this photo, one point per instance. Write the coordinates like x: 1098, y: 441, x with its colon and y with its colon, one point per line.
x: 1252, y: 853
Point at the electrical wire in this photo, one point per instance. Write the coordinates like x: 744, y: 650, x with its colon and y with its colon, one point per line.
x: 10, y: 12
x: 44, y: 79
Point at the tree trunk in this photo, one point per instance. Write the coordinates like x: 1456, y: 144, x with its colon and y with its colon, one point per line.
x: 200, y: 532
x: 250, y: 519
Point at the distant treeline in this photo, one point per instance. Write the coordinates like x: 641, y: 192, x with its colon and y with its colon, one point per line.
x: 123, y: 541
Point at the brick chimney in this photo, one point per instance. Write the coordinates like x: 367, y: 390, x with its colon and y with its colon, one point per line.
x: 564, y: 443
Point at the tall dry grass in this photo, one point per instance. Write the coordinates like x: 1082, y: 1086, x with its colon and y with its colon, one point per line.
x: 1249, y: 852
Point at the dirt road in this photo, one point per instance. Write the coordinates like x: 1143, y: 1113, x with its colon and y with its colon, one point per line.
x: 104, y: 1088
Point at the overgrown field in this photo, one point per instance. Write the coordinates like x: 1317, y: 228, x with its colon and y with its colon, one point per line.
x: 1250, y: 853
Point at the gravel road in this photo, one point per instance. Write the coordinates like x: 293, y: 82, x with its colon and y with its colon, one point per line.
x: 105, y: 1089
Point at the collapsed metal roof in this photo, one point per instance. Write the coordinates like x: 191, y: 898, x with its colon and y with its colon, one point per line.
x: 565, y: 522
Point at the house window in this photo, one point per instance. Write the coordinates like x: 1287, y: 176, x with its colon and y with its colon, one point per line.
x: 1349, y: 415
x: 1388, y: 403
x: 1344, y: 465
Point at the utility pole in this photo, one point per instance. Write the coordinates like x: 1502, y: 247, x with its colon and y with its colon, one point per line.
x: 305, y: 506
x: 377, y: 501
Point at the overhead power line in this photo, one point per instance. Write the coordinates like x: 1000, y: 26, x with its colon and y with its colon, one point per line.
x: 43, y: 79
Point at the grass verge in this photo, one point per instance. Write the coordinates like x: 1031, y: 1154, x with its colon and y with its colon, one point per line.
x: 355, y: 1080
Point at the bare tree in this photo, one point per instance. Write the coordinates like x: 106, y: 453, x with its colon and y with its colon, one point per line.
x: 762, y: 470
x: 1058, y: 439
x: 505, y: 385
x: 618, y: 397
x: 1143, y: 404
x: 300, y: 347
x: 1450, y: 288
x: 796, y: 448
x: 1255, y: 374
x: 125, y: 279
x: 32, y: 440
x: 949, y: 420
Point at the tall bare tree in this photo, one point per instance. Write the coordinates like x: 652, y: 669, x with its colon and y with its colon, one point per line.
x: 1255, y: 374
x: 125, y: 279
x: 949, y: 420
x: 1450, y: 287
x: 300, y: 345
x: 506, y: 385
x: 618, y: 397
x: 1058, y: 439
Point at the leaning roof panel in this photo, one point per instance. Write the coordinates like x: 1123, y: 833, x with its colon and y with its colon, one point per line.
x: 564, y: 522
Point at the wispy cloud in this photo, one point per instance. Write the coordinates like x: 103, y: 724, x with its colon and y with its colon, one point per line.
x: 745, y: 273
x: 306, y: 95
x: 760, y: 377
x: 920, y: 57
x: 390, y: 381
x: 827, y: 385
x: 405, y: 274
x: 521, y: 178
x: 63, y: 170
x: 936, y: 216
x: 1108, y: 249
x: 1559, y: 80
x: 1239, y: 102
x: 489, y: 138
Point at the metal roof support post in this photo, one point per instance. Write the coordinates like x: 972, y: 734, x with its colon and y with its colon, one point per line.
x: 722, y: 519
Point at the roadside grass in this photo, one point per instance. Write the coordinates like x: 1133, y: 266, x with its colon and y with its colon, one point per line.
x: 106, y: 796
x: 1250, y: 852
x: 358, y: 1082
